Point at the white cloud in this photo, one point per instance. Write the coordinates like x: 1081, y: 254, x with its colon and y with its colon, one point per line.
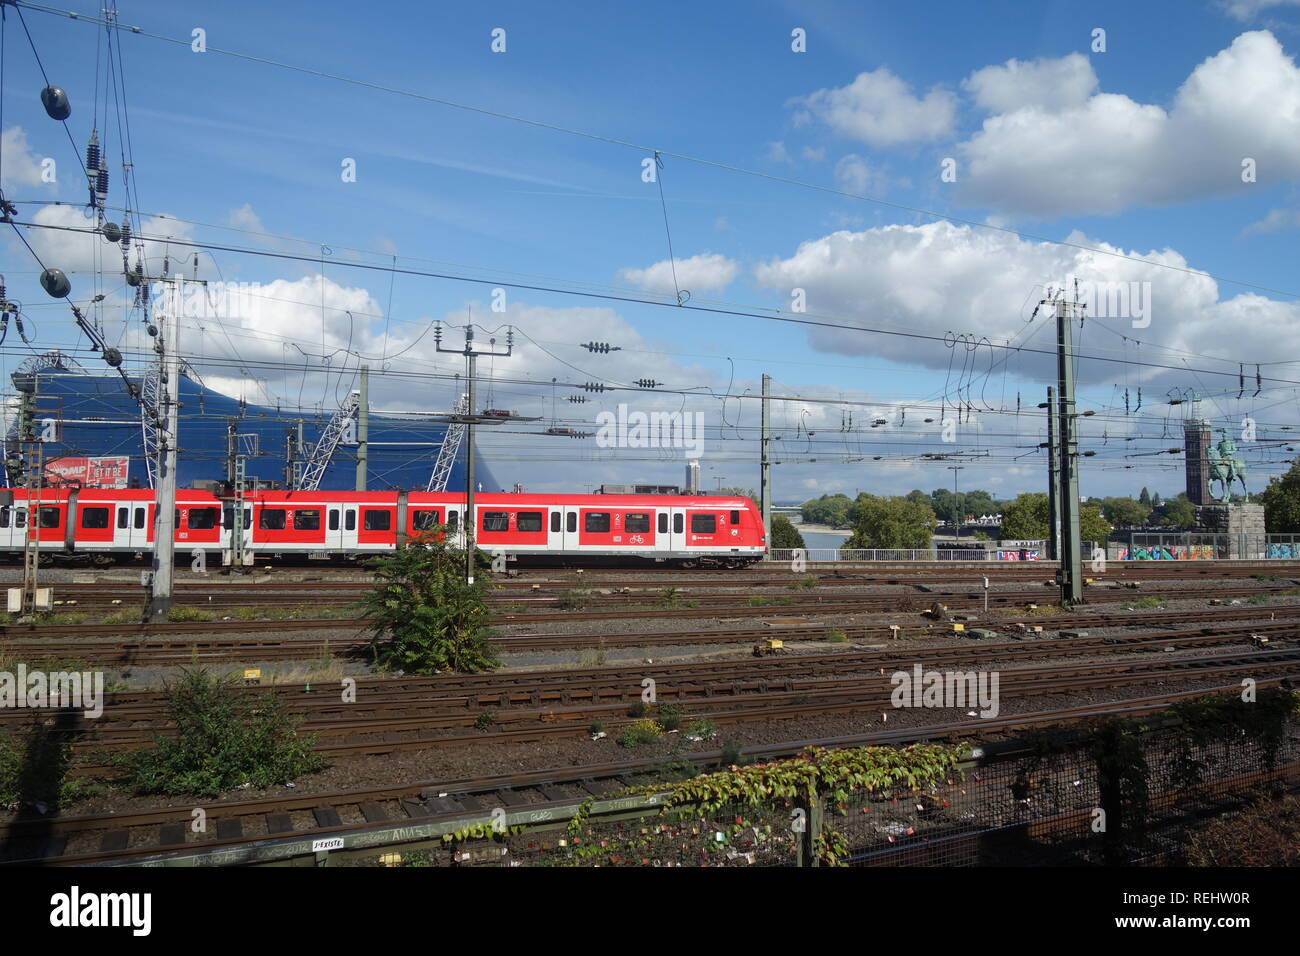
x: 708, y: 272
x: 1249, y: 9
x: 854, y: 175
x: 814, y: 155
x: 777, y: 153
x: 1049, y: 83
x: 880, y: 109
x: 22, y: 167
x: 1110, y: 152
x: 1275, y: 221
x: 245, y: 218
x: 941, y: 277
x: 81, y: 252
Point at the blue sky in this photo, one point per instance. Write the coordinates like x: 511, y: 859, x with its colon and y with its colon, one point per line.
x: 1136, y: 149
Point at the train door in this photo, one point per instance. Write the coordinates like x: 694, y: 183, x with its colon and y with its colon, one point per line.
x: 571, y: 529
x: 334, y: 528
x: 677, y: 529
x: 554, y: 529
x: 348, y: 532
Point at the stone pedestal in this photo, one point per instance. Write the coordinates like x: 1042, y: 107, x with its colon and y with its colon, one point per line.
x: 1243, y: 524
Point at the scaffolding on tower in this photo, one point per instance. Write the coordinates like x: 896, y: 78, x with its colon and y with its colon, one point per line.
x: 342, y: 423
x: 449, y: 448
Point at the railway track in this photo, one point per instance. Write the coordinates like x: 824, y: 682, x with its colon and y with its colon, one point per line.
x: 132, y: 837
x: 339, y: 727
x: 153, y: 648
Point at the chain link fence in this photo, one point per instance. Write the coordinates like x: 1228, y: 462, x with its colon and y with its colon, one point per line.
x: 1058, y: 796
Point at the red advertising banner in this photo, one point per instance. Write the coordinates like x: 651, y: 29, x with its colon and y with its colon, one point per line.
x: 90, y: 472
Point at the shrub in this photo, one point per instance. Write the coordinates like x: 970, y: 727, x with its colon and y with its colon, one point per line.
x: 596, y: 727
x: 837, y: 637
x: 701, y: 728
x: 670, y: 716
x: 179, y: 613
x: 485, y: 720
x: 224, y: 739
x: 641, y: 732
x: 575, y: 599
x: 34, y: 768
x: 638, y: 709
x: 423, y: 616
x: 731, y: 755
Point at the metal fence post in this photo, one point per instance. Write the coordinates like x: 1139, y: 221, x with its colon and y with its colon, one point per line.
x: 813, y: 812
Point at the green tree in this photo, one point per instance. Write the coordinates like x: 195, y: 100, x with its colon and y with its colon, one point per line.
x: 785, y: 534
x: 1026, y: 519
x: 1281, y: 500
x: 1125, y: 512
x: 1145, y: 498
x: 1177, y: 512
x: 422, y: 615
x: 891, y: 523
x: 832, y: 510
x: 1093, y: 525
x: 979, y: 502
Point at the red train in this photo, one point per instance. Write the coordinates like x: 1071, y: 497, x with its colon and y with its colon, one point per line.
x: 102, y: 524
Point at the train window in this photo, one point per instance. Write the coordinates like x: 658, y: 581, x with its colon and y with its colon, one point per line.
x: 636, y: 523
x: 203, y: 519
x: 49, y: 517
x: 176, y: 518
x: 663, y: 522
x: 453, y: 520
x: 4, y: 516
x: 271, y: 519
x: 496, y: 521
x: 529, y: 521
x: 677, y: 524
x: 571, y: 523
x: 376, y: 519
x: 555, y: 521
x: 596, y: 522
x: 350, y: 520
x: 334, y: 519
x: 123, y: 517
x: 735, y: 517
x: 248, y: 517
x: 94, y: 517
x: 704, y: 524
x: 308, y: 520
x: 425, y: 519
x: 138, y: 521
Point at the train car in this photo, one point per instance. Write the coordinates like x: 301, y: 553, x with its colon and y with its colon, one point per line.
x: 101, y: 524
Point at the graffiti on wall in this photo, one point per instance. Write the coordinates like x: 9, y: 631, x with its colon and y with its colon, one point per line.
x: 1020, y: 554
x: 1172, y: 552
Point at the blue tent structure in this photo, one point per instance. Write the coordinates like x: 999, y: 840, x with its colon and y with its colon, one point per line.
x: 98, y: 418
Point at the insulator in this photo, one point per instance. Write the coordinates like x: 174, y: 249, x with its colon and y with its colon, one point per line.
x: 56, y: 283
x: 126, y: 232
x: 92, y: 154
x: 56, y: 103
x: 101, y: 184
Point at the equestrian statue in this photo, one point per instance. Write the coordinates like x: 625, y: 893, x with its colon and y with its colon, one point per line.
x: 1226, y: 467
